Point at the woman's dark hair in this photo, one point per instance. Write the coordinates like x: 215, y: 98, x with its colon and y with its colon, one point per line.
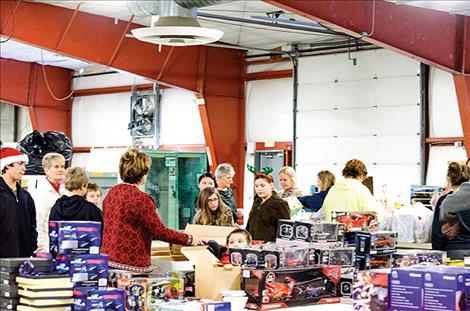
x: 268, y: 178
x: 209, y: 175
x: 355, y: 168
x: 458, y: 173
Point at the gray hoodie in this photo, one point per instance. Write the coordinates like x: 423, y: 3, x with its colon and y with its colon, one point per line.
x: 456, y: 202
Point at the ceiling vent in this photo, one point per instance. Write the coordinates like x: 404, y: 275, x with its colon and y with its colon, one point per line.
x: 174, y: 27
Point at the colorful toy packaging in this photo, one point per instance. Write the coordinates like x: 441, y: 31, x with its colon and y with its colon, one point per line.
x: 136, y: 293
x: 375, y: 242
x: 106, y: 299
x: 290, y: 287
x: 89, y: 270
x: 370, y: 291
x: 405, y: 258
x: 74, y: 237
x: 356, y: 221
x: 164, y: 288
x: 406, y: 289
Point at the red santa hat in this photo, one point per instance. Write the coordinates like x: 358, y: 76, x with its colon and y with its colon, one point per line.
x: 10, y: 155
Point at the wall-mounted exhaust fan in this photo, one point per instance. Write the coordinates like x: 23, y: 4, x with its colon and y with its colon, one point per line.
x: 174, y: 27
x: 144, y: 118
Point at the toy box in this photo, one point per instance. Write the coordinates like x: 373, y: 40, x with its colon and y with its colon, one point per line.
x: 80, y: 295
x: 356, y: 221
x: 74, y: 237
x: 405, y: 258
x: 311, y: 231
x: 236, y: 256
x: 106, y: 299
x: 405, y: 289
x: 373, y: 261
x: 285, y: 229
x: 343, y: 257
x: 370, y: 291
x: 136, y: 292
x: 375, y: 242
x: 446, y: 288
x: 89, y: 270
x: 290, y: 287
x: 164, y: 288
x: 345, y: 287
x: 188, y: 278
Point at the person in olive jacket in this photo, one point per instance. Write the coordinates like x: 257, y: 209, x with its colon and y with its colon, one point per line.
x: 268, y: 207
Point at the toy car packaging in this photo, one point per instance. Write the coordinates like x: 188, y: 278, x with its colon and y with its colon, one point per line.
x: 285, y: 229
x: 74, y: 237
x: 106, y: 299
x: 80, y: 295
x: 136, y: 293
x: 312, y: 231
x: 375, y: 242
x: 164, y: 288
x: 290, y: 287
x: 343, y: 257
x: 89, y: 270
x: 370, y: 291
x: 405, y: 258
x: 356, y: 221
x: 236, y: 255
x: 373, y: 261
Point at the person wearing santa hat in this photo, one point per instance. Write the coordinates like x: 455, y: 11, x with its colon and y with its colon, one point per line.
x: 18, y: 235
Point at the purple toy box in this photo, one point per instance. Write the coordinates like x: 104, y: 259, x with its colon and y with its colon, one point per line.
x: 405, y: 289
x: 74, y: 237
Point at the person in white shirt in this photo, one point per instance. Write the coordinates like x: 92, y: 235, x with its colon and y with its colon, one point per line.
x: 46, y: 194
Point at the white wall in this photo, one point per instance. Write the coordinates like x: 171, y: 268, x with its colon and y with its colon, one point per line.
x: 444, y: 122
x: 8, y: 123
x: 102, y: 121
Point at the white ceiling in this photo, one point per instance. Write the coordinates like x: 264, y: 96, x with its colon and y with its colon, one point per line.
x: 242, y: 34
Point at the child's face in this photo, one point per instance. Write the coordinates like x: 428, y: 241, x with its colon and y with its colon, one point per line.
x: 237, y: 239
x: 93, y: 197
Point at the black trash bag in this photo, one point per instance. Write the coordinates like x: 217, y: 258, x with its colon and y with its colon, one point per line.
x: 36, y: 145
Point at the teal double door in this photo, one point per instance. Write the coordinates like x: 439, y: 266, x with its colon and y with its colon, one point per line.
x: 172, y: 182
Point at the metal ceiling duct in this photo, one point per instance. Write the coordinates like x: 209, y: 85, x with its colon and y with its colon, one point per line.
x: 173, y: 26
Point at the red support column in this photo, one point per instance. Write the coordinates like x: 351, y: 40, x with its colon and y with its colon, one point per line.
x: 462, y: 87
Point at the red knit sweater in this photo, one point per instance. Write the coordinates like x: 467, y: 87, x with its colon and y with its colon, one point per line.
x: 131, y: 223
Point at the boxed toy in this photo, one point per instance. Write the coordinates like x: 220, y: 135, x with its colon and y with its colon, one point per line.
x: 236, y: 256
x: 80, y: 295
x: 89, y: 270
x: 74, y: 237
x: 290, y: 287
x: 405, y: 258
x: 356, y: 221
x: 405, y: 289
x: 188, y: 278
x: 12, y: 265
x: 373, y: 261
x: 343, y: 257
x: 375, y: 242
x: 253, y: 257
x: 164, y: 288
x: 345, y: 287
x: 312, y: 231
x: 285, y: 229
x: 106, y: 299
x: 446, y: 288
x: 370, y: 291
x: 136, y: 293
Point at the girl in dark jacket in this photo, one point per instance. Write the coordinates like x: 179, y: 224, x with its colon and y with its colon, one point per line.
x: 268, y: 207
x: 313, y: 203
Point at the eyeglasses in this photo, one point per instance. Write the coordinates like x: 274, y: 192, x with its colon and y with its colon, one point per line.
x: 213, y: 200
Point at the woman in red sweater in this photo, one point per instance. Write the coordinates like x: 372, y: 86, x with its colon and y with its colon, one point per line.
x: 131, y: 221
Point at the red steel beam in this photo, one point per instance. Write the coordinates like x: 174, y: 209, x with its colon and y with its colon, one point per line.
x: 268, y: 75
x: 462, y: 87
x: 77, y: 9
x: 268, y: 61
x: 435, y: 38
x: 112, y: 90
x: 119, y: 44
x: 443, y: 140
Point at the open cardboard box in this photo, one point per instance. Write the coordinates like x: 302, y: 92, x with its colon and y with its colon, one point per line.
x: 212, y: 277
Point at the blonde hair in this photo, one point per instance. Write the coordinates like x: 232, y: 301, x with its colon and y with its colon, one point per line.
x: 49, y: 157
x: 134, y: 165
x: 327, y: 178
x: 75, y: 178
x: 289, y: 171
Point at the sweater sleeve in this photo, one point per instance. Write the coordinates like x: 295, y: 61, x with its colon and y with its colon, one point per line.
x: 156, y: 228
x: 456, y: 202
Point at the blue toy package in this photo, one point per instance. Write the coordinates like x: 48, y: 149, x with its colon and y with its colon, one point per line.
x: 80, y: 295
x: 74, y: 237
x: 405, y: 289
x: 89, y: 270
x: 106, y: 299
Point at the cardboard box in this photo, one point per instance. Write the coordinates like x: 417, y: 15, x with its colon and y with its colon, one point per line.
x: 405, y: 289
x: 370, y: 291
x: 211, y: 276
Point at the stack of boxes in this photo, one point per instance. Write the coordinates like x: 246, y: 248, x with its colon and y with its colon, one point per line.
x: 75, y: 247
x: 375, y: 250
x: 9, y: 270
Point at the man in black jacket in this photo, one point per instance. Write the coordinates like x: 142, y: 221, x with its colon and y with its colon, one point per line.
x: 18, y: 235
